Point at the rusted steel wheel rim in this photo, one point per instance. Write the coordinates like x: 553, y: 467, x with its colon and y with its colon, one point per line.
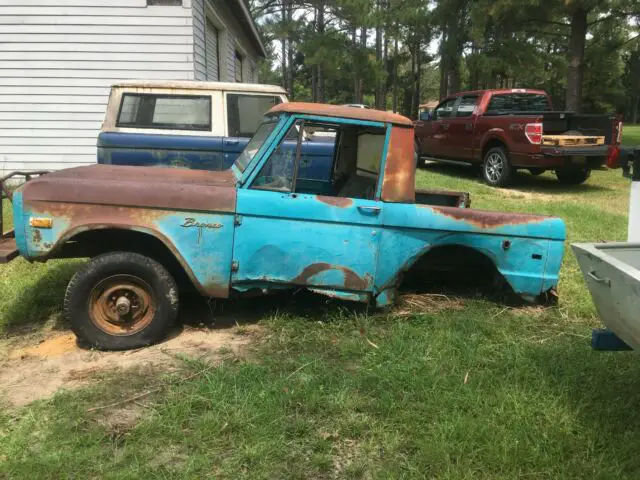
x: 494, y: 167
x: 122, y: 305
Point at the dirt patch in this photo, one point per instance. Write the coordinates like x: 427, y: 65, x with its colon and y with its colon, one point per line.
x: 121, y: 421
x: 415, y: 303
x: 33, y: 372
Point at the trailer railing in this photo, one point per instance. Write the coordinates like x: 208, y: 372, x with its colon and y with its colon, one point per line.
x: 8, y: 184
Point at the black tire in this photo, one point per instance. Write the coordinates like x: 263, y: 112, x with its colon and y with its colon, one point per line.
x: 416, y: 155
x: 141, y: 286
x: 536, y: 171
x: 573, y: 176
x: 496, y: 169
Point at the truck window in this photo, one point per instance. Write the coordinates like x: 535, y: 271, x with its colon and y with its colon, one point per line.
x: 466, y: 106
x: 347, y: 156
x: 245, y: 112
x: 444, y: 110
x: 277, y: 173
x: 518, y: 102
x: 173, y: 112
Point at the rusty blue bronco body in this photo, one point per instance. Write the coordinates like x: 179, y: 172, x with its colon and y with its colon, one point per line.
x: 255, y: 226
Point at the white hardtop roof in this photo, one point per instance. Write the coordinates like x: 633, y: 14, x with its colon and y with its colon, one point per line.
x: 193, y: 85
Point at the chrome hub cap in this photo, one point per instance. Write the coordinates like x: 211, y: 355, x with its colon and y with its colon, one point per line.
x: 494, y: 167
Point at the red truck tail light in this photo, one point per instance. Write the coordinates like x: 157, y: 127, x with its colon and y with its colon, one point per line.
x: 533, y: 132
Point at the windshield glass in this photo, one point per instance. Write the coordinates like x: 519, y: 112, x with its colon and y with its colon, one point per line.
x: 255, y: 143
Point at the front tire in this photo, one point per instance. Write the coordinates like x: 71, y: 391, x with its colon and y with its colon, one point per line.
x: 121, y: 300
x: 416, y: 155
x: 573, y: 176
x: 496, y: 169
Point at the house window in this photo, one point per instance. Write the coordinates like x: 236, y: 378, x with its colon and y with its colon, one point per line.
x: 174, y: 112
x: 170, y: 3
x: 238, y: 67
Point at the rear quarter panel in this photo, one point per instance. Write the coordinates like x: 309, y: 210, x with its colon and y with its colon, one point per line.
x: 412, y: 230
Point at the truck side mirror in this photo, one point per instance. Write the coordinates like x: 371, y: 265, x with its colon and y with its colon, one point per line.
x: 425, y: 116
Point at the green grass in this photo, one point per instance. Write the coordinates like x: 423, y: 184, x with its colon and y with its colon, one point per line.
x: 631, y: 134
x: 463, y: 389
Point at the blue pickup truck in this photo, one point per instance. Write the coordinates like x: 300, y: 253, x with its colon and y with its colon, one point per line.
x: 259, y: 226
x: 197, y: 125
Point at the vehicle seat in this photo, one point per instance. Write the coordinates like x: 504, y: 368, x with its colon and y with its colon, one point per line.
x: 359, y: 186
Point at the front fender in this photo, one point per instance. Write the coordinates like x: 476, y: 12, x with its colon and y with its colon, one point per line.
x: 201, y: 242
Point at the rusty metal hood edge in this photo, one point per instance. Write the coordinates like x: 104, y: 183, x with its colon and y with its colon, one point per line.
x: 147, y: 187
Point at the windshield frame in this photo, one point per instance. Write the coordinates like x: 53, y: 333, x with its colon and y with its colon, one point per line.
x: 275, y: 123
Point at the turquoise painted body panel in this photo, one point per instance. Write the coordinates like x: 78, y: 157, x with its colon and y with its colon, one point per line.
x: 303, y: 240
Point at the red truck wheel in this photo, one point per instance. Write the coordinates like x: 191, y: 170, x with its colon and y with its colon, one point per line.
x: 121, y: 300
x: 496, y: 169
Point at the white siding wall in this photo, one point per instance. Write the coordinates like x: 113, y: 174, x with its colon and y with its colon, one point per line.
x: 58, y: 59
x: 230, y: 38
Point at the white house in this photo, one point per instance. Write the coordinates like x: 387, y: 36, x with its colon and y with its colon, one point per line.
x: 58, y: 59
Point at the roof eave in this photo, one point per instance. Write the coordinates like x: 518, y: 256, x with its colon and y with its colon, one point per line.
x: 246, y: 21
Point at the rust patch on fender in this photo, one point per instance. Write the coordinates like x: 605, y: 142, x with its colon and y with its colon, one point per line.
x: 399, y: 185
x: 36, y: 236
x: 487, y: 219
x: 341, y: 202
x: 352, y: 280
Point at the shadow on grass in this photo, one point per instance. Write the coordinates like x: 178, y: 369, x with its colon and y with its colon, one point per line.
x: 197, y: 311
x: 34, y: 303
x: 522, y: 181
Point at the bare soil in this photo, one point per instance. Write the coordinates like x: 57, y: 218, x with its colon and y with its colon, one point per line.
x: 32, y: 372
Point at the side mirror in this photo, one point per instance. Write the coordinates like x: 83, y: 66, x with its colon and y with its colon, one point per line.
x: 425, y: 116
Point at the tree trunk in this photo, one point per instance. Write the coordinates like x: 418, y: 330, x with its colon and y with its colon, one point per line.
x: 418, y: 76
x: 356, y: 80
x: 394, y: 85
x: 320, y: 30
x: 378, y: 92
x: 414, y: 93
x: 291, y: 72
x: 360, y: 80
x: 575, y: 71
x: 283, y: 45
x: 314, y: 68
x: 444, y: 79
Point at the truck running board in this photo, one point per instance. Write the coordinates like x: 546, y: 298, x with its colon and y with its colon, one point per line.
x: 442, y: 160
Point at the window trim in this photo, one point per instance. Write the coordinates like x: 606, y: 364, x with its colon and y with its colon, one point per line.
x: 238, y: 56
x: 166, y: 126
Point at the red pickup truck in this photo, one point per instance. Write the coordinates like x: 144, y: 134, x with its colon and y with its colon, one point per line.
x: 507, y: 130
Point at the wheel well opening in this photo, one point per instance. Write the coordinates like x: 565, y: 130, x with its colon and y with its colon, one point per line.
x: 95, y: 242
x: 493, y: 143
x: 458, y: 269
